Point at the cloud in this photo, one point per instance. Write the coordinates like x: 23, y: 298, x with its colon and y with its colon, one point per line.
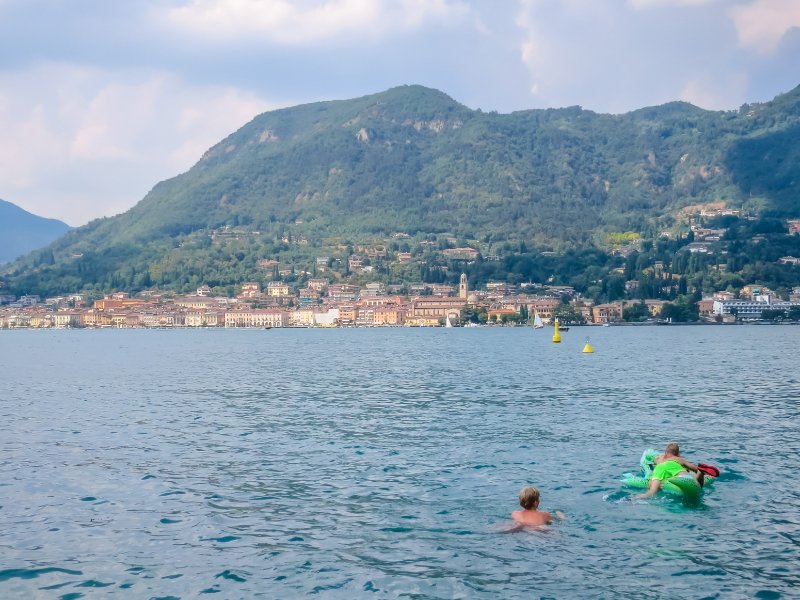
x: 705, y: 93
x: 618, y: 55
x: 762, y: 24
x: 563, y: 45
x: 105, y: 137
x: 300, y: 23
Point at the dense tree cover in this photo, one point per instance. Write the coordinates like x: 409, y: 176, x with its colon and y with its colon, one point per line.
x: 683, y: 310
x: 636, y: 312
x: 544, y: 195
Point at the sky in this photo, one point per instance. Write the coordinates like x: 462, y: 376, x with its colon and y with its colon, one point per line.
x: 100, y: 100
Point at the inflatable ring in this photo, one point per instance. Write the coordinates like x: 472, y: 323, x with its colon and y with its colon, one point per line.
x: 682, y: 485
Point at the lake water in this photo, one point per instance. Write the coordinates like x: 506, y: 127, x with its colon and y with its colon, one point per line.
x: 386, y: 462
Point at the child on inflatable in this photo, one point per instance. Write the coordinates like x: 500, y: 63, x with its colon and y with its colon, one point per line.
x: 669, y: 465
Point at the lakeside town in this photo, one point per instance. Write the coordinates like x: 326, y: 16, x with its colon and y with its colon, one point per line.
x: 324, y: 304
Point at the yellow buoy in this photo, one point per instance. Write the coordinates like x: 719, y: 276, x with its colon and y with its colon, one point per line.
x: 556, y: 335
x: 587, y: 349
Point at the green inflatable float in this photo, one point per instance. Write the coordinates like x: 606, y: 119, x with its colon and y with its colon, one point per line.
x: 682, y: 485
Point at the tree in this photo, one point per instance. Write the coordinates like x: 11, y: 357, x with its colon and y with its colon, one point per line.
x: 636, y: 312
x: 566, y: 313
x: 523, y: 313
x: 773, y: 314
x: 614, y: 287
x: 683, y: 310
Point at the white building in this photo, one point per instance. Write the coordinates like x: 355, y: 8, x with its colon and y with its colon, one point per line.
x: 750, y: 310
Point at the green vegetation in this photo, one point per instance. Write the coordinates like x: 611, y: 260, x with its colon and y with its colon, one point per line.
x: 545, y: 196
x: 636, y: 312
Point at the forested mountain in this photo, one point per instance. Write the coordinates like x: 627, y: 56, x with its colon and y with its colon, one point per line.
x: 319, y: 179
x: 22, y: 232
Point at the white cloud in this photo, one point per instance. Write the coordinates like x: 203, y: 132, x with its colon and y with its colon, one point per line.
x: 762, y: 24
x: 297, y: 23
x: 710, y: 94
x: 98, y: 140
x: 618, y: 55
x: 548, y: 54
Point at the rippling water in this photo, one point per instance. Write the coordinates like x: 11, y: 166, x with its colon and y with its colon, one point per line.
x: 386, y: 462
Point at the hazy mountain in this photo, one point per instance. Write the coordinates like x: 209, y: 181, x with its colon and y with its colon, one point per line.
x: 22, y: 232
x: 314, y: 178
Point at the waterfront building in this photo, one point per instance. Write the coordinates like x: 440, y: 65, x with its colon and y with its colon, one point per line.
x: 328, y: 318
x: 431, y: 310
x: 348, y: 313
x: 365, y: 316
x: 67, y: 319
x: 17, y: 320
x: 389, y: 315
x: 607, y: 313
x: 543, y: 305
x: 301, y: 317
x: 653, y: 306
x: 705, y: 308
x: 256, y: 318
x: 750, y: 310
x: 203, y: 318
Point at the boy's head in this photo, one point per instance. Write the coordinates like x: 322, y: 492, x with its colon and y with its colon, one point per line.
x: 672, y: 449
x: 529, y: 498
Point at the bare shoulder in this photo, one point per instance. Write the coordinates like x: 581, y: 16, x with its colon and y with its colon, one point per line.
x: 532, y: 517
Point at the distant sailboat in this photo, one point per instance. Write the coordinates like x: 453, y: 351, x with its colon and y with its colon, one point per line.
x: 447, y: 322
x: 537, y: 322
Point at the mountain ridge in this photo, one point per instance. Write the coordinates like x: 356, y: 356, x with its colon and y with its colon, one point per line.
x: 22, y: 232
x: 413, y: 160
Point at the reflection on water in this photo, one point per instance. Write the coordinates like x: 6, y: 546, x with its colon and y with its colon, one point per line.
x: 350, y: 462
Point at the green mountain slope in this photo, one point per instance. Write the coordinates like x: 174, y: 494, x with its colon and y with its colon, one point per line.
x: 22, y: 232
x: 413, y: 160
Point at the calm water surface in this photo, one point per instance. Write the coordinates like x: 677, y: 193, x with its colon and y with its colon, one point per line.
x: 386, y: 462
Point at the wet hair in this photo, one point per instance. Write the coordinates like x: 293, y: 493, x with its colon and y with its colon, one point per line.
x: 672, y: 448
x: 529, y: 497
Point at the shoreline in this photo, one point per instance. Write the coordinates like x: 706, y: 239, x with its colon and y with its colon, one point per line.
x: 586, y: 325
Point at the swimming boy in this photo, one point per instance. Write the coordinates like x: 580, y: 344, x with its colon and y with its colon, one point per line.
x: 669, y: 465
x: 531, y: 515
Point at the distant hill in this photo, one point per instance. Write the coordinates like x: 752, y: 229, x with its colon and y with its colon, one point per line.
x: 22, y: 232
x: 320, y: 179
